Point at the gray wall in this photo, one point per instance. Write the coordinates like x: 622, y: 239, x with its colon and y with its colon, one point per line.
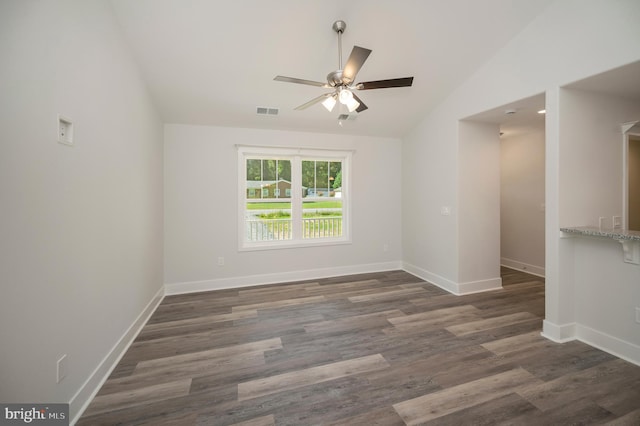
x: 81, y: 230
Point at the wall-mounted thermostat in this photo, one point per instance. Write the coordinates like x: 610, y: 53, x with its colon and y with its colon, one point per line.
x: 65, y: 130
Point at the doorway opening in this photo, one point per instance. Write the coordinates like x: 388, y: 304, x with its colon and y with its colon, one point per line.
x: 520, y: 134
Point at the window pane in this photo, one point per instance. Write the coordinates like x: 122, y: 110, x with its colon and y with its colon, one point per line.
x: 254, y: 169
x: 268, y: 192
x: 335, y: 179
x: 315, y: 178
x: 322, y: 219
x: 284, y: 170
x: 268, y: 178
x: 308, y: 177
x: 268, y: 221
x: 322, y: 208
x: 322, y: 179
x: 269, y: 170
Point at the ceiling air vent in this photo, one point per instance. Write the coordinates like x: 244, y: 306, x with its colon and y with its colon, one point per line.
x: 266, y: 111
x: 347, y: 117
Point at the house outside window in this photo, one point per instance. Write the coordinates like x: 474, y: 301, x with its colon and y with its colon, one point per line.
x: 314, y: 209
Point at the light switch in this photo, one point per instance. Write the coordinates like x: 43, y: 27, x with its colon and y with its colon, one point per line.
x: 65, y: 130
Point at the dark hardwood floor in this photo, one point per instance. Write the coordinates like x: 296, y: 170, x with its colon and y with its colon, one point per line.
x: 374, y: 349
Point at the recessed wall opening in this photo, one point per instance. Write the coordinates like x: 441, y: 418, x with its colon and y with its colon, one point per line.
x: 519, y: 145
x: 633, y: 176
x: 522, y: 190
x: 600, y: 118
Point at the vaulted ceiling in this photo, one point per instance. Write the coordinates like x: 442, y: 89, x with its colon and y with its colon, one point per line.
x: 212, y: 62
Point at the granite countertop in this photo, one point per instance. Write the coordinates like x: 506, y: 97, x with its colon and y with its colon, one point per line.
x: 594, y: 231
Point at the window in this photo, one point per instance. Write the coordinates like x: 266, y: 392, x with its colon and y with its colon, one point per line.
x: 292, y: 197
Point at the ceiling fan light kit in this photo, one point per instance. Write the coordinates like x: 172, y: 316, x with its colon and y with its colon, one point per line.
x: 329, y: 103
x: 342, y: 80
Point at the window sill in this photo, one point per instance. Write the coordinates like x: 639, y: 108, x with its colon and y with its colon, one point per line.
x: 293, y: 244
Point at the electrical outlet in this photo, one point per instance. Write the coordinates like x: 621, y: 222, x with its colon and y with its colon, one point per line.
x: 445, y: 211
x: 62, y: 368
x: 617, y: 222
x: 385, y: 247
x: 221, y: 261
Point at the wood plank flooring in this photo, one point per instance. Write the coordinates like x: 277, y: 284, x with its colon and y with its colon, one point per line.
x: 372, y: 349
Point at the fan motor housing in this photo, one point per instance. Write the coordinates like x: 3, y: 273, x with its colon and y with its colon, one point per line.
x: 335, y: 78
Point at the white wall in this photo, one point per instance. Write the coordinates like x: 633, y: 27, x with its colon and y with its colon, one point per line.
x: 607, y: 294
x: 541, y: 57
x: 590, y: 182
x: 591, y: 153
x: 570, y: 40
x: 81, y: 228
x: 201, y: 193
x: 479, y: 206
x: 430, y: 182
x: 522, y: 201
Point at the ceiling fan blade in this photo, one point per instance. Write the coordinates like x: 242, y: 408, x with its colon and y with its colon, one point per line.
x: 300, y: 81
x: 354, y: 63
x: 313, y: 101
x: 362, y: 106
x: 383, y: 84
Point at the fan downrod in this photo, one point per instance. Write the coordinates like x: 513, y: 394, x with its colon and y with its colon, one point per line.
x: 334, y: 78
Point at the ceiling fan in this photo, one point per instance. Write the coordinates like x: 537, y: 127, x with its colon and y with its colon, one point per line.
x: 342, y: 80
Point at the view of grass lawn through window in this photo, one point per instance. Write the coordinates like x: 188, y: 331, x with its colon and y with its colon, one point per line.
x: 285, y: 206
x: 320, y: 218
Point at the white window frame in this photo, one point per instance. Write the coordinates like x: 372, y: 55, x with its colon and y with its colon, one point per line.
x: 296, y: 155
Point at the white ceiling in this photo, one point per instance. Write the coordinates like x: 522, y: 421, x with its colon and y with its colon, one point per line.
x: 516, y: 118
x: 212, y: 62
x: 622, y: 82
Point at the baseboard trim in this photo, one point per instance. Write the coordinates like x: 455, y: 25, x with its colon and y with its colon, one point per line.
x: 459, y: 289
x: 480, y: 286
x: 434, y: 279
x: 265, y: 279
x: 92, y: 385
x: 538, y: 271
x: 558, y: 333
x: 606, y: 342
